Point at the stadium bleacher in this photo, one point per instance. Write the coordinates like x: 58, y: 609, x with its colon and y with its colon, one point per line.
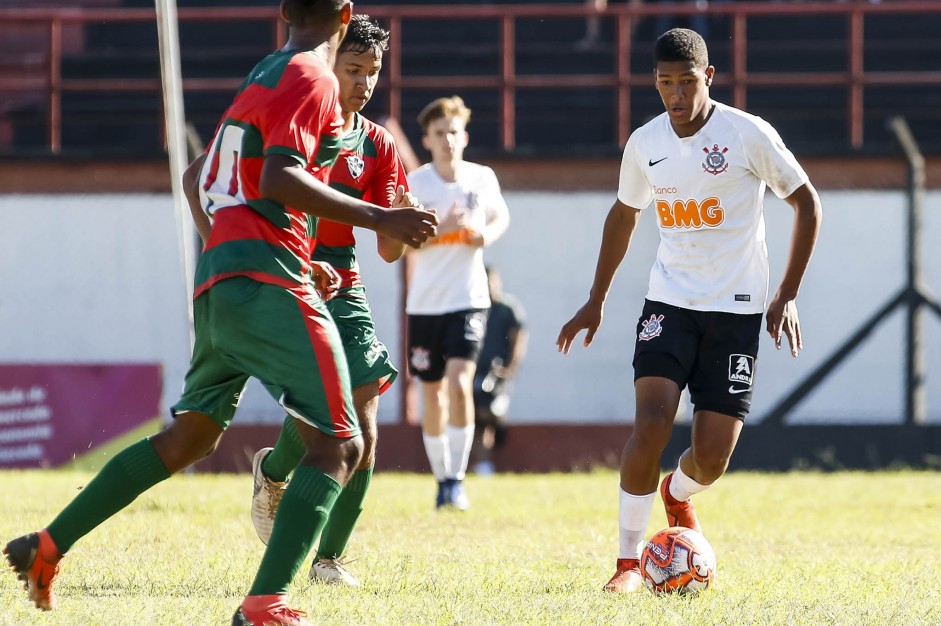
x: 812, y: 118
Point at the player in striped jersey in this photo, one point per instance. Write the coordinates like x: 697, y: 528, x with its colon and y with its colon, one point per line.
x: 369, y: 168
x: 705, y: 166
x: 256, y: 313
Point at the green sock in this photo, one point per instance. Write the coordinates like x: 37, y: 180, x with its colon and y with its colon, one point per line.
x: 129, y: 474
x: 336, y: 534
x: 301, y: 516
x: 287, y: 453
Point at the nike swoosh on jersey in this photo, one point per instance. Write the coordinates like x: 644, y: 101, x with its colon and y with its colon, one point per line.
x: 734, y: 390
x: 651, y: 162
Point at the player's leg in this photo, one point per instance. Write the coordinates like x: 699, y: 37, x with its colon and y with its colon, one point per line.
x: 463, y: 338
x: 435, y: 436
x: 657, y: 399
x: 211, y: 385
x: 720, y: 388
x: 663, y: 355
x: 426, y: 362
x: 304, y: 368
x: 327, y: 565
x: 484, y: 435
x: 713, y: 439
x: 371, y: 373
x: 459, y: 377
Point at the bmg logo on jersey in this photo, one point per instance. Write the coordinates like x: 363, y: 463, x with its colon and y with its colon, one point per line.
x: 741, y: 369
x: 690, y: 213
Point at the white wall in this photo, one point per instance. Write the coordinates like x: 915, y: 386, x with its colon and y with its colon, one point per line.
x: 98, y: 278
x: 93, y: 279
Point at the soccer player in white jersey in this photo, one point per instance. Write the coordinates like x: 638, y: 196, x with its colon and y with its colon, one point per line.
x: 705, y: 167
x: 448, y: 298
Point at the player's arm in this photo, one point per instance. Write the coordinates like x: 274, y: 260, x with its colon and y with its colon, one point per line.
x: 498, y: 215
x: 284, y: 180
x: 191, y: 192
x: 393, y: 186
x: 497, y: 225
x: 391, y: 250
x: 616, y: 237
x: 782, y: 316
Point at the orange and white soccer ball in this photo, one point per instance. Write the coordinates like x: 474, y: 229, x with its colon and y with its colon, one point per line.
x: 678, y: 560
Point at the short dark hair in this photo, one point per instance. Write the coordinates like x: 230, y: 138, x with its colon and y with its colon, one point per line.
x: 681, y: 44
x: 452, y: 107
x: 364, y: 35
x: 306, y: 12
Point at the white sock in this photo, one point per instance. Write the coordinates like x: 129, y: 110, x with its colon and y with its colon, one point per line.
x: 460, y: 439
x: 633, y: 516
x: 436, y: 447
x: 682, y: 487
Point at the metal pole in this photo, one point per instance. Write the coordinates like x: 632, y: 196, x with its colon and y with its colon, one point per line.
x: 176, y: 143
x: 916, y: 409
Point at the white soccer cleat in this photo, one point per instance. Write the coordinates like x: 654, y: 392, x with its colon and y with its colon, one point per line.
x: 459, y: 499
x: 265, y: 498
x: 331, y: 571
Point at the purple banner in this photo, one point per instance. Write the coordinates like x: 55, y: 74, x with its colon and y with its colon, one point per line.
x: 50, y: 413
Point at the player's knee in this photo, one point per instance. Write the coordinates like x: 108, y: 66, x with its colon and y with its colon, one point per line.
x: 653, y: 423
x: 368, y: 457
x: 180, y: 446
x: 710, y: 465
x: 351, y: 453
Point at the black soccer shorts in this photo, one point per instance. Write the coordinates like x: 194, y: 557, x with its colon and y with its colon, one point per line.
x: 433, y: 339
x: 712, y: 352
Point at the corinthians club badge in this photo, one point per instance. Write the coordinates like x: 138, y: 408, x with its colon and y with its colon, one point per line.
x: 715, y: 162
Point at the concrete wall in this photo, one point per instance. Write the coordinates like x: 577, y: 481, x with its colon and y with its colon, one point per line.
x: 98, y: 279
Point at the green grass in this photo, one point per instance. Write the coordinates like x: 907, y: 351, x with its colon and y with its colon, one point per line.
x: 794, y: 548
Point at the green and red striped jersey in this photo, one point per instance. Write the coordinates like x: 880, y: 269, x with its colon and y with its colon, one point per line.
x: 368, y: 168
x: 288, y: 105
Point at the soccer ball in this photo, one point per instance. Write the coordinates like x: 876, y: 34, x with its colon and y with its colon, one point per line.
x: 678, y: 560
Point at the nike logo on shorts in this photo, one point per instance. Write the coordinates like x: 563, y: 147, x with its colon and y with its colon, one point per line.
x: 734, y: 390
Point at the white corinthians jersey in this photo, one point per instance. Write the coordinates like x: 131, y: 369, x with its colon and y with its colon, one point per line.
x: 708, y: 191
x: 449, y: 275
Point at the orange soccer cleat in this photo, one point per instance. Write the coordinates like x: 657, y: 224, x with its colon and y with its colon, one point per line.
x: 35, y: 559
x: 678, y: 513
x: 270, y: 610
x: 627, y: 578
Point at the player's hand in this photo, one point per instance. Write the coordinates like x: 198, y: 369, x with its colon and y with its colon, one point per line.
x: 782, y: 321
x: 404, y: 199
x: 475, y: 239
x: 413, y: 225
x: 326, y: 279
x: 587, y: 318
x: 455, y: 220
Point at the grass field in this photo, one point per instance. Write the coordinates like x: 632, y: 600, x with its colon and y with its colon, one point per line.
x: 795, y: 548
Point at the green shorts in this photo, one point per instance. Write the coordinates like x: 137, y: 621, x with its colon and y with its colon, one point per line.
x: 283, y: 337
x: 366, y: 356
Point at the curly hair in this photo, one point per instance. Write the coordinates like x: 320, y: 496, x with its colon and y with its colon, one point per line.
x: 364, y: 35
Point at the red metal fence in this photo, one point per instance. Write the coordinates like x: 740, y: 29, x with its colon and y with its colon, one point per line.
x: 853, y: 79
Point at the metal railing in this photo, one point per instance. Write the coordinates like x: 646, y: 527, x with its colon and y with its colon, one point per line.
x: 854, y: 79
